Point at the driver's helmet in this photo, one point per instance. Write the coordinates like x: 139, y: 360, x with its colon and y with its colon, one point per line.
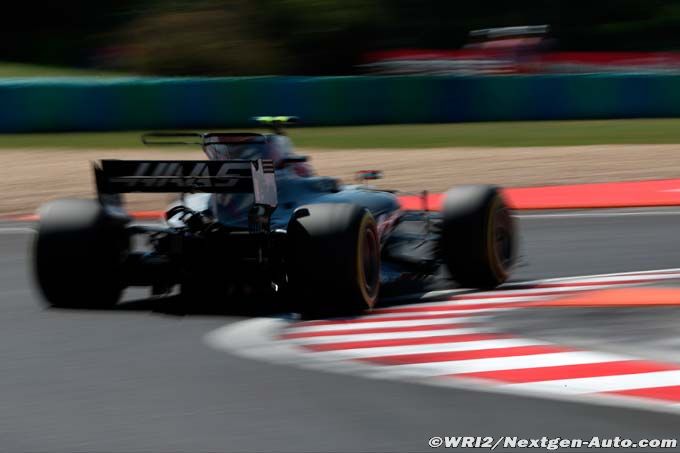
x: 245, y: 148
x: 250, y: 147
x: 282, y: 146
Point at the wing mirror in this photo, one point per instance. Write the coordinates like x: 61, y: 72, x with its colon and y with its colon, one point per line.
x: 294, y: 159
x: 288, y: 160
x: 369, y: 175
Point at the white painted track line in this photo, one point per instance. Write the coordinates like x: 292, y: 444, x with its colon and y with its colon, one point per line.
x: 388, y: 336
x: 386, y: 351
x: 605, y: 383
x: 477, y: 312
x: 16, y: 230
x: 502, y: 363
x: 383, y: 323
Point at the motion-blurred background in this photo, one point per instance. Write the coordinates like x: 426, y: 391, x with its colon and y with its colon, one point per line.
x: 456, y: 81
x: 332, y: 37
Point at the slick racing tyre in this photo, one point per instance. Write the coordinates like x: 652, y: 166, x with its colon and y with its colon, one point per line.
x: 78, y: 253
x: 333, y: 260
x: 478, y: 240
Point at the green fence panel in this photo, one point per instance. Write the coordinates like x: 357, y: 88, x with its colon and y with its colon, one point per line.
x: 71, y: 104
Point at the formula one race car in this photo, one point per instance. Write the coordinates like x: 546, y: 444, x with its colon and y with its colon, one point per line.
x: 255, y: 219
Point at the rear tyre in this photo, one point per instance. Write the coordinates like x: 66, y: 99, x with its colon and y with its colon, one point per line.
x: 78, y: 254
x: 333, y: 260
x: 478, y: 240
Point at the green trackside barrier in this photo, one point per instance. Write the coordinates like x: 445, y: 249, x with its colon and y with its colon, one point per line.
x: 92, y: 104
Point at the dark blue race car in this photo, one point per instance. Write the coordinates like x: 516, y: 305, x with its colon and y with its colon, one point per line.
x: 255, y: 219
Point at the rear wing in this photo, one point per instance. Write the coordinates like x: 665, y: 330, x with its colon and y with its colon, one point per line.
x: 114, y: 177
x: 195, y: 138
x: 172, y: 138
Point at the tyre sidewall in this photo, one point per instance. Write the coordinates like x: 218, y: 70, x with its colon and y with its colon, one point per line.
x: 468, y: 243
x: 324, y: 260
x: 78, y: 254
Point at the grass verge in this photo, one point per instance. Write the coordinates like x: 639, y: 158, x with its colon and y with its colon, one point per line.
x: 409, y: 136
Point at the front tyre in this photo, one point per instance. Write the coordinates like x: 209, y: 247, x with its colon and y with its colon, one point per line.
x: 78, y: 253
x: 479, y: 238
x: 333, y: 260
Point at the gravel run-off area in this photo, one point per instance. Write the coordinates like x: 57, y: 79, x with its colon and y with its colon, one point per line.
x: 30, y: 177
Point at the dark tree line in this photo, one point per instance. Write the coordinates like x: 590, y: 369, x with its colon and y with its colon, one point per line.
x: 234, y: 37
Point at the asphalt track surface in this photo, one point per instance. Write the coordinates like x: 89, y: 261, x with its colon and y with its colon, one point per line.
x: 142, y: 378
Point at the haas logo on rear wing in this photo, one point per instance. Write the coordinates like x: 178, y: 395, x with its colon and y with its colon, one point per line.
x: 185, y: 176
